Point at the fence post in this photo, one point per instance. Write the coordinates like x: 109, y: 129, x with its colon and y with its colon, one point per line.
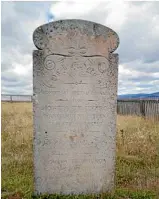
x: 142, y: 108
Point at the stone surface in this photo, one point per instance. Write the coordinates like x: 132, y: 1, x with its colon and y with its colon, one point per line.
x: 75, y: 91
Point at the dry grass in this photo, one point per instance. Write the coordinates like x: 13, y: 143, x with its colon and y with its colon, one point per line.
x: 137, y: 165
x: 138, y: 153
x: 17, y: 134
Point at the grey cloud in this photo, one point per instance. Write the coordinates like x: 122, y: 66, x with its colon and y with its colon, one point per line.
x: 147, y: 67
x: 141, y: 78
x: 21, y: 90
x: 16, y: 84
x: 8, y: 79
x: 136, y: 38
x: 125, y: 87
x: 19, y: 19
x: 5, y: 66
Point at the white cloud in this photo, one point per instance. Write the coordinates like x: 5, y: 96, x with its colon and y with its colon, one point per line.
x: 118, y: 11
x: 68, y: 9
x: 21, y: 69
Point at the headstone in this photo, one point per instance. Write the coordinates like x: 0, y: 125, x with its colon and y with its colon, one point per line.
x: 75, y: 99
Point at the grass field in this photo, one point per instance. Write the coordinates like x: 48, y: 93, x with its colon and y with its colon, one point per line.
x: 137, y: 165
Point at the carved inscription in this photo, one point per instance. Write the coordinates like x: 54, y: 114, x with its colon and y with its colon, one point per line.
x: 76, y: 116
x: 76, y: 69
x: 75, y: 87
x: 66, y: 69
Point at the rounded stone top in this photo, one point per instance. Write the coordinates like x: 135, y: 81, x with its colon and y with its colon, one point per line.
x: 93, y: 31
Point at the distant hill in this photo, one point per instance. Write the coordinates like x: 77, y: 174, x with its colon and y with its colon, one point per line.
x: 139, y: 96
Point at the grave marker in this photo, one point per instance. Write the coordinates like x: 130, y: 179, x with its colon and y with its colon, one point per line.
x: 75, y: 98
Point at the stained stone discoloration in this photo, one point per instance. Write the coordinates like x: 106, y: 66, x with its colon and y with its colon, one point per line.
x: 75, y: 91
x: 100, y: 39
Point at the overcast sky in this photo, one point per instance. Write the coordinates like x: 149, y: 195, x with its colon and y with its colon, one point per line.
x: 136, y: 23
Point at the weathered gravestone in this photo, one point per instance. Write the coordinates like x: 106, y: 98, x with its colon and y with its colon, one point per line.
x: 75, y: 96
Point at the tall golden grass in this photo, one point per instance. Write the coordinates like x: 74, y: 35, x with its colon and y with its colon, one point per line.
x: 137, y: 162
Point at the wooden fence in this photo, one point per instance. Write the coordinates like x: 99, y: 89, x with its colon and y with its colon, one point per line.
x: 146, y: 108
